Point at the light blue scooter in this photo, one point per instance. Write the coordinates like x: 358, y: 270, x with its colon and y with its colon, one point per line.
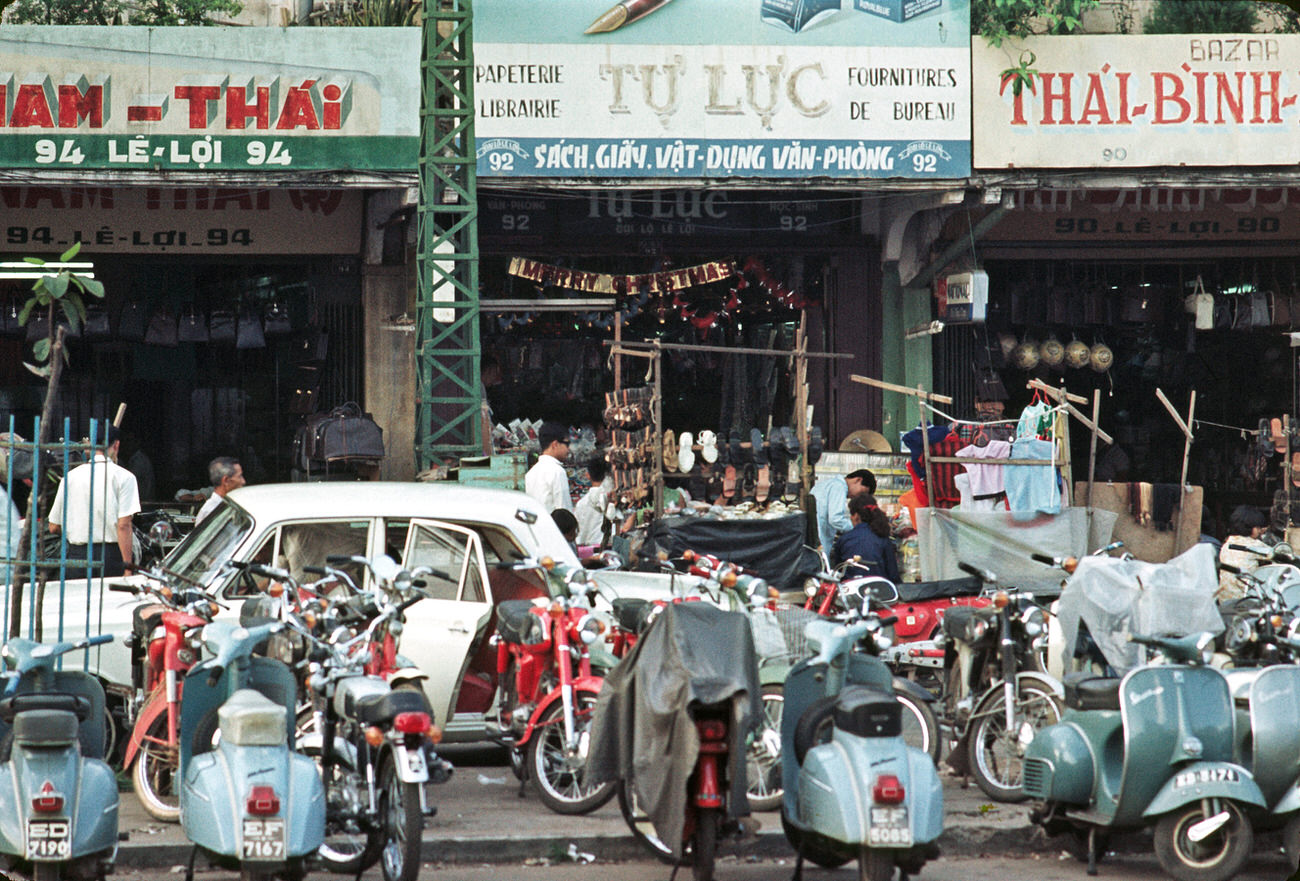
x: 58, y: 799
x: 248, y: 800
x: 854, y: 787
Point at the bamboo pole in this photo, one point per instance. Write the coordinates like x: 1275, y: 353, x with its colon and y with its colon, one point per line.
x: 658, y: 409
x: 902, y: 389
x: 1092, y: 456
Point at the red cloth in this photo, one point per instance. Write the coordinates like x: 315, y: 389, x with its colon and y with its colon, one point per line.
x: 945, y: 489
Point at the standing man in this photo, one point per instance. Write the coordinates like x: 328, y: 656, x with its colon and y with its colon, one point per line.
x: 226, y: 474
x: 546, y: 481
x: 832, y: 493
x: 100, y: 498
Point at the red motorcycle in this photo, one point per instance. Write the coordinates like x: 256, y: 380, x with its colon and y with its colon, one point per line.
x: 548, y: 689
x: 165, y: 644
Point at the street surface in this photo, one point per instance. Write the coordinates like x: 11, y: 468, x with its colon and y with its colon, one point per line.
x: 1264, y: 867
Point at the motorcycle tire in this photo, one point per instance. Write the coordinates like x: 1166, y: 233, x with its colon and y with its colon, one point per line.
x: 154, y: 773
x: 809, y: 846
x: 558, y: 779
x: 642, y: 828
x: 763, y: 756
x: 1217, y: 857
x: 344, y: 851
x: 402, y: 824
x: 920, y: 727
x: 995, y: 755
x: 47, y: 872
x: 875, y: 864
x: 705, y: 843
x: 1291, y: 840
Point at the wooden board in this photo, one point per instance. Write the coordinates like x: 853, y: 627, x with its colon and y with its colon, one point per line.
x: 1146, y: 542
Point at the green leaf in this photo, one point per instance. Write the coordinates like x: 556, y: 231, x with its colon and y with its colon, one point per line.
x: 94, y: 287
x: 69, y: 307
x: 41, y: 348
x: 35, y: 261
x: 57, y: 286
x: 70, y: 253
x: 26, y: 311
x: 42, y: 372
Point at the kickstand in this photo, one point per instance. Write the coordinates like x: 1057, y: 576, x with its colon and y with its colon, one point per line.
x: 1092, y: 851
x: 798, y: 866
x: 189, y: 868
x: 673, y: 874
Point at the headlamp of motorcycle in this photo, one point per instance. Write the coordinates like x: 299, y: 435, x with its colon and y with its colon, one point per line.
x: 882, y: 640
x: 810, y: 587
x: 1034, y: 621
x: 590, y: 628
x: 1239, y: 635
x: 975, y: 630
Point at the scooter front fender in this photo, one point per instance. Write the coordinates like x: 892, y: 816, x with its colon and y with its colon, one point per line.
x: 1205, y: 780
x: 1290, y: 802
x: 156, y: 706
x: 1046, y: 681
x: 592, y: 684
x: 88, y: 787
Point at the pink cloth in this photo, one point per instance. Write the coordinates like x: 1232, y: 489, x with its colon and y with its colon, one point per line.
x: 986, y: 480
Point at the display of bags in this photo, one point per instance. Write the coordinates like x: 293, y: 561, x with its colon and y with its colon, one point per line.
x: 98, y: 326
x: 275, y: 320
x: 343, y: 434
x: 162, y: 329
x: 248, y: 333
x: 133, y: 322
x: 192, y: 327
x: 221, y: 326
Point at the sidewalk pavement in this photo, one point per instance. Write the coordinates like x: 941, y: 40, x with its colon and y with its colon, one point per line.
x: 482, y: 819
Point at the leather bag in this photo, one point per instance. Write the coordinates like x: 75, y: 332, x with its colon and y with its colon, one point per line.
x: 275, y: 320
x: 162, y: 329
x: 192, y: 327
x: 221, y: 326
x: 133, y: 322
x: 98, y: 325
x: 248, y: 335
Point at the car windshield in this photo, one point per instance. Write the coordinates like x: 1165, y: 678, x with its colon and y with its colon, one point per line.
x: 211, y: 543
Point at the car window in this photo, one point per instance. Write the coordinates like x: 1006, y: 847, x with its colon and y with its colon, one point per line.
x: 308, y: 544
x: 249, y: 584
x: 212, y: 542
x: 454, y: 555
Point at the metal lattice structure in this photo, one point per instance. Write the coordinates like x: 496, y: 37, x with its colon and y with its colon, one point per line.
x: 448, y: 385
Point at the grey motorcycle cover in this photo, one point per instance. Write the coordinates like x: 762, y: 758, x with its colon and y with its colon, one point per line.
x: 642, y: 731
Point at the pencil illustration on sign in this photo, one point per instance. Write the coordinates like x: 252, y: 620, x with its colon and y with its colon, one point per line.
x: 624, y: 13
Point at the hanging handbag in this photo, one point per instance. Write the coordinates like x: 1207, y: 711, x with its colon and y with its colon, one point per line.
x: 192, y: 327
x: 133, y: 322
x: 303, y: 402
x: 98, y: 325
x: 248, y: 334
x: 38, y: 328
x: 275, y: 320
x: 310, y: 347
x: 221, y: 326
x: 9, y: 313
x: 162, y: 329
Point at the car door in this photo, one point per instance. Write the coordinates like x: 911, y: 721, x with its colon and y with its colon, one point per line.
x: 442, y: 632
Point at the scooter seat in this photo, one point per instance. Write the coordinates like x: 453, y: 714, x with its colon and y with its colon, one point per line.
x: 1086, y: 691
x: 382, y: 709
x: 517, y: 624
x: 145, y: 619
x: 868, y: 712
x: 50, y: 729
x: 630, y: 613
x: 12, y: 707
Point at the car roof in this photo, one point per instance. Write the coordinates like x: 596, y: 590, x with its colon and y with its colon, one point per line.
x: 449, y: 501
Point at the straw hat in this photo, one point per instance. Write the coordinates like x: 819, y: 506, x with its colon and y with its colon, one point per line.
x: 1052, y: 352
x: 1025, y: 355
x: 1077, y: 354
x: 1100, y: 357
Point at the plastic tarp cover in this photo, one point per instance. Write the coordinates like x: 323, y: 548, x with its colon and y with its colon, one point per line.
x: 1116, y: 597
x: 643, y: 733
x: 1002, y: 542
x: 772, y: 549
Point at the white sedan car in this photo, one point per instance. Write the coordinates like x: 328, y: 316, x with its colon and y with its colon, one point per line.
x: 470, y: 534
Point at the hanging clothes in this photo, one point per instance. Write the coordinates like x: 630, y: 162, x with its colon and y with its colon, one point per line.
x: 1032, y: 487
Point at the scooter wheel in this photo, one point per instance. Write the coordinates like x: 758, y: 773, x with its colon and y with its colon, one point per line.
x: 763, y: 756
x: 1217, y: 857
x: 1291, y: 840
x: 811, y: 847
x: 875, y: 864
x: 154, y: 774
x: 560, y: 778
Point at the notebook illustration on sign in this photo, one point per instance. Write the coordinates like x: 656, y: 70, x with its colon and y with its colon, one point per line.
x: 795, y: 15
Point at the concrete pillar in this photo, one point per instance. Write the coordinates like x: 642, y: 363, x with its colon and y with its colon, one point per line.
x: 387, y: 293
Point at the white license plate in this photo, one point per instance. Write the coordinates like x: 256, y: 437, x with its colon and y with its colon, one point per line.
x: 889, y: 828
x: 49, y: 839
x: 263, y: 839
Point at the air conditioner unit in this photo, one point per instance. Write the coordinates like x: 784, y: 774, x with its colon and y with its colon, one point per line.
x: 968, y: 297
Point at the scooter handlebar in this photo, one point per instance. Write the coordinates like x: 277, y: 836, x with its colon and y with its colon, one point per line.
x: 119, y: 587
x: 1044, y: 559
x: 214, y: 675
x: 982, y: 574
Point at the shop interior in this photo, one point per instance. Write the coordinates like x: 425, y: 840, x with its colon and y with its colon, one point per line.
x: 167, y: 342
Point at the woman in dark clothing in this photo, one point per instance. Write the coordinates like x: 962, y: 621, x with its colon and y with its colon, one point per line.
x: 868, y: 539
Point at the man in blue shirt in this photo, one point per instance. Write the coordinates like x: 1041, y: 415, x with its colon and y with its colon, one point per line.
x: 832, y: 493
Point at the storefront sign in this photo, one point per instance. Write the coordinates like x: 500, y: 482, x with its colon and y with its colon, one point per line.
x: 721, y: 89
x: 1246, y: 214
x: 209, y: 99
x: 178, y: 220
x: 1130, y: 101
x: 669, y: 281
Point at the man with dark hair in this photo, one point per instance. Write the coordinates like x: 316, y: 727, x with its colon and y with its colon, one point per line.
x: 590, y: 509
x: 98, y: 497
x: 832, y: 494
x: 224, y: 473
x: 546, y: 480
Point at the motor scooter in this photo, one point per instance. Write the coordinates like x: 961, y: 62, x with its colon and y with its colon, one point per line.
x: 248, y: 800
x: 853, y: 786
x: 58, y: 799
x: 1155, y: 747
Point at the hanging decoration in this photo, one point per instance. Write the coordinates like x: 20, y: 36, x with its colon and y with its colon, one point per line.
x: 600, y: 283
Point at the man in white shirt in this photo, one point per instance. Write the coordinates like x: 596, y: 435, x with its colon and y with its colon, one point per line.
x: 546, y: 481
x: 590, y: 509
x: 226, y: 474
x: 98, y: 499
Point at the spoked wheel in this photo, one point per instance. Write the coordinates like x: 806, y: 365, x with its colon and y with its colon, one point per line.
x: 46, y: 872
x: 1218, y: 856
x: 558, y: 774
x: 875, y: 864
x: 1291, y: 840
x: 705, y: 843
x: 997, y: 754
x: 920, y: 728
x: 763, y: 755
x: 153, y: 773
x: 643, y: 830
x: 402, y: 824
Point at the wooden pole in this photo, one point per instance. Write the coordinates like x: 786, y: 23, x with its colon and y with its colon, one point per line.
x: 925, y: 445
x: 618, y: 360
x: 1092, y: 456
x: 801, y: 404
x: 658, y: 458
x: 902, y: 389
